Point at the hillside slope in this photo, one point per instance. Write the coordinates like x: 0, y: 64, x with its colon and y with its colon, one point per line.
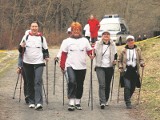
x: 150, y: 97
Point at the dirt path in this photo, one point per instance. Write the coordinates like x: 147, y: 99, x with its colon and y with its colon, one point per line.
x: 11, y: 109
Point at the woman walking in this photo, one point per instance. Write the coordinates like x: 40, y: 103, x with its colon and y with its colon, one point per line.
x: 35, y: 50
x: 106, y: 56
x: 130, y: 59
x: 73, y: 58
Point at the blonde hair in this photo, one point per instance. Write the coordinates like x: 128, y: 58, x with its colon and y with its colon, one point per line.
x: 76, y: 25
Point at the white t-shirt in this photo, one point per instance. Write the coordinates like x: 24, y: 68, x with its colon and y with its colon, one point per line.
x: 77, y: 52
x: 106, y: 56
x: 87, y: 31
x: 131, y: 57
x: 33, y: 52
x: 61, y: 48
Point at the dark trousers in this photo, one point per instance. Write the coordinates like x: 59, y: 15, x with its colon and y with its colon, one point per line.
x: 104, y: 76
x: 93, y: 40
x: 128, y: 90
x: 75, y: 82
x: 25, y: 83
x: 34, y: 80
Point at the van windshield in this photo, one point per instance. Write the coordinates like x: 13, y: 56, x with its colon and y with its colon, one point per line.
x: 110, y: 27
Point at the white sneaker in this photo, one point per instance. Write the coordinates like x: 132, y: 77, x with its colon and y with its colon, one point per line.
x: 31, y: 106
x: 38, y: 107
x: 107, y: 104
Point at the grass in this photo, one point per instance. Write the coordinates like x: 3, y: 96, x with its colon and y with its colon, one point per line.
x: 7, y: 59
x: 150, y: 92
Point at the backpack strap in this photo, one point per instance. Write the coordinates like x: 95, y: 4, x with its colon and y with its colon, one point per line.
x: 27, y: 37
x: 40, y: 36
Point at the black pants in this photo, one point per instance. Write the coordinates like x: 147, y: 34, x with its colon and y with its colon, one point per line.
x: 93, y: 40
x: 131, y: 80
x: 75, y: 82
x: 25, y: 83
x: 129, y: 89
x: 34, y: 79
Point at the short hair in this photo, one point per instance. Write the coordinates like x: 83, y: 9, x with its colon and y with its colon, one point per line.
x: 76, y: 25
x: 35, y: 22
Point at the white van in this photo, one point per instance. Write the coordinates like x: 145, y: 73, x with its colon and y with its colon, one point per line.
x: 116, y: 26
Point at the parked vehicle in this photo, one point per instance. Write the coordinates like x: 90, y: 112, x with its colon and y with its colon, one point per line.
x: 116, y: 26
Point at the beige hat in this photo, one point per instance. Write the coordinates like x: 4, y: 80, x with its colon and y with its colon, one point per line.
x: 105, y: 32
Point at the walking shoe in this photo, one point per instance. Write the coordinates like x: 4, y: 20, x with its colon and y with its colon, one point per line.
x: 71, y: 108
x: 38, y: 107
x: 128, y: 106
x: 107, y: 104
x: 78, y: 107
x: 102, y: 106
x: 31, y: 106
x: 26, y: 99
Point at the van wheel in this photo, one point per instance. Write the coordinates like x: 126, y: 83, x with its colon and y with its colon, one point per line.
x: 120, y: 41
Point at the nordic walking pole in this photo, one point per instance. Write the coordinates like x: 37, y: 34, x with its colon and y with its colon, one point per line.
x: 118, y: 92
x: 44, y: 91
x: 20, y: 87
x: 112, y: 83
x: 89, y: 95
x: 140, y: 86
x: 16, y: 86
x: 47, y: 81
x: 91, y: 86
x: 54, y: 80
x: 63, y: 88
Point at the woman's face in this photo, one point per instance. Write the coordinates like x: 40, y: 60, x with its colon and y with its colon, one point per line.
x: 34, y: 28
x: 130, y: 43
x: 106, y: 37
x: 76, y: 31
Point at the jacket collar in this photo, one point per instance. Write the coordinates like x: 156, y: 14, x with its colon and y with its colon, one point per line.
x: 135, y: 46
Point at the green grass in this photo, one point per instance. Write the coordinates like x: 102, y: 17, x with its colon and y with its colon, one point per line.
x: 7, y: 59
x: 150, y: 91
x: 150, y: 94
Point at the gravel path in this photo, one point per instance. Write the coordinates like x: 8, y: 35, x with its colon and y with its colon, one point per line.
x: 12, y: 109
